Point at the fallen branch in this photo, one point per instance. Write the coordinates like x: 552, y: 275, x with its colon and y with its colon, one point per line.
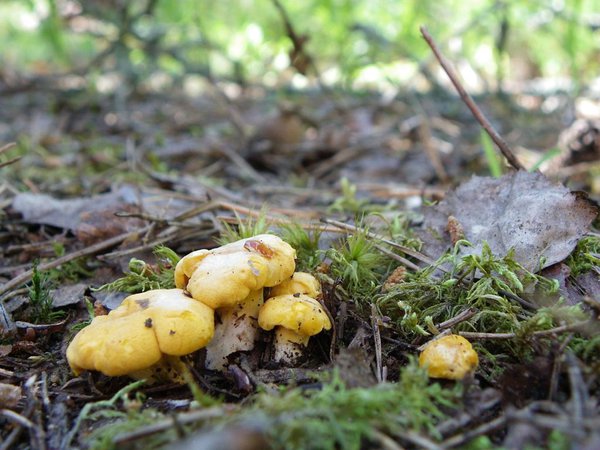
x: 464, y: 95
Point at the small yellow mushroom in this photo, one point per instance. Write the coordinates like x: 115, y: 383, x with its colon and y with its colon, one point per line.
x: 230, y: 279
x: 295, y: 317
x: 300, y: 283
x: 451, y: 357
x: 140, y: 332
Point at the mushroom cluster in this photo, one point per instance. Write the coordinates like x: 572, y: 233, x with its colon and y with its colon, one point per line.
x: 218, y: 304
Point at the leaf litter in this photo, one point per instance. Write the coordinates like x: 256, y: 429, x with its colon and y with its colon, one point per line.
x: 359, y: 386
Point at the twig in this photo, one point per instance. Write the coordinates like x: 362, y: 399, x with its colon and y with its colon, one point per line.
x: 409, y: 251
x: 299, y: 56
x: 419, y: 440
x: 460, y: 317
x: 5, y: 148
x: 517, y: 299
x: 398, y: 258
x: 395, y: 191
x: 375, y: 320
x: 26, y: 276
x: 16, y: 418
x: 464, y: 95
x: 385, y: 442
x: 556, y: 330
x: 460, y: 439
x: 475, y: 335
x: 163, y: 425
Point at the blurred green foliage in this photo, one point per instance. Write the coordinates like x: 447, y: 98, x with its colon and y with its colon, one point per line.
x: 351, y: 42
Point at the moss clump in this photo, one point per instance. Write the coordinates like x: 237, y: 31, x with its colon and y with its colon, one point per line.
x: 359, y: 265
x: 337, y: 417
x: 306, y: 244
x: 485, y: 282
x: 586, y: 256
x: 243, y: 229
x: 143, y: 277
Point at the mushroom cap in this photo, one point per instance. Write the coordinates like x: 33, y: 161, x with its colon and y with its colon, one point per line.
x: 186, y: 266
x: 226, y: 275
x: 451, y: 357
x: 300, y: 283
x: 297, y: 312
x: 136, y: 334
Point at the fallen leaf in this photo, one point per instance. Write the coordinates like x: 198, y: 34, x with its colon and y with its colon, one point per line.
x: 67, y: 213
x: 523, y: 211
x: 68, y: 295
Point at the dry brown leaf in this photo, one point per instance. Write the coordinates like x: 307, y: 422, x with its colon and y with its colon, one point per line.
x: 523, y: 211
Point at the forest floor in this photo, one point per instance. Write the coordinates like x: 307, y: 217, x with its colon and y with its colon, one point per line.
x: 346, y: 178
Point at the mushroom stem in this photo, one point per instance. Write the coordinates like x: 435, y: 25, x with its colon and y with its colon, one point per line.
x: 289, y: 346
x: 237, y: 330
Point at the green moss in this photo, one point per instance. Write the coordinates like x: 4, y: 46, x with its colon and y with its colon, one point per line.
x: 337, y: 417
x: 306, y: 244
x: 144, y: 277
x: 586, y: 256
x: 40, y: 299
x: 243, y: 229
x: 483, y: 281
x: 358, y: 264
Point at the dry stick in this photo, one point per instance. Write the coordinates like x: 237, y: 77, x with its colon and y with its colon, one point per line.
x: 460, y: 317
x: 571, y: 327
x: 298, y: 42
x: 409, y: 251
x: 5, y: 148
x: 398, y: 258
x: 183, y: 418
x: 395, y: 191
x: 377, y: 339
x: 485, y: 428
x: 464, y: 95
x: 386, y: 442
x: 419, y: 440
x: 26, y: 276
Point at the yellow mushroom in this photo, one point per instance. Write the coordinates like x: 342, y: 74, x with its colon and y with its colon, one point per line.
x: 226, y: 275
x: 451, y: 357
x: 141, y: 333
x: 230, y: 279
x: 295, y: 317
x: 300, y: 283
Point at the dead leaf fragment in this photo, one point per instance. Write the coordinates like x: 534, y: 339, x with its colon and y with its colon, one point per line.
x: 9, y: 395
x: 523, y: 211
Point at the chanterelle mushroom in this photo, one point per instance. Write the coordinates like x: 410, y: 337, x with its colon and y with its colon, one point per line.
x: 231, y: 279
x: 300, y: 283
x: 141, y: 333
x: 451, y: 357
x: 295, y: 317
